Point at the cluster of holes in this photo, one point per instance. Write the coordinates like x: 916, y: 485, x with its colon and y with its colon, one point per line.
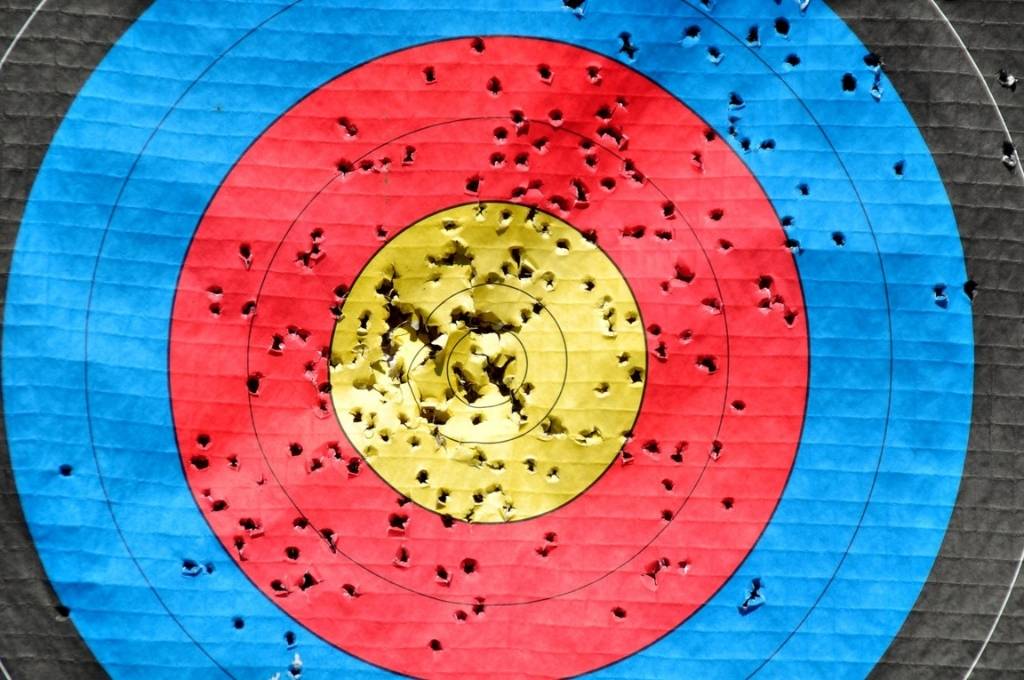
x: 654, y: 569
x: 215, y: 293
x: 772, y: 300
x: 550, y: 543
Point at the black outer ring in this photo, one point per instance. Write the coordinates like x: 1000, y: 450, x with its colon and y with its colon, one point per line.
x: 955, y: 610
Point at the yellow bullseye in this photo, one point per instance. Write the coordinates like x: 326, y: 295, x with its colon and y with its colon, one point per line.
x: 489, y: 362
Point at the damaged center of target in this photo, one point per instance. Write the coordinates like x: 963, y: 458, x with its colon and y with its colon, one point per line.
x: 489, y: 362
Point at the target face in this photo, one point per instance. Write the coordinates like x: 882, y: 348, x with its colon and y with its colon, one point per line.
x: 460, y: 346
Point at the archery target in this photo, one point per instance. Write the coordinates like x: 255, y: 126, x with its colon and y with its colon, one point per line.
x: 253, y: 261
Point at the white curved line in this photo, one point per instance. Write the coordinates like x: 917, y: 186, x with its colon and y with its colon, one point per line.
x: 21, y: 31
x: 3, y: 60
x: 1002, y: 121
x: 1020, y: 171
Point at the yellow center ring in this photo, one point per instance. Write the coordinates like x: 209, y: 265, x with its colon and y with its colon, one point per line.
x: 489, y: 362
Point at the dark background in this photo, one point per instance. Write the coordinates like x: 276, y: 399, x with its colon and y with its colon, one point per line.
x: 951, y: 105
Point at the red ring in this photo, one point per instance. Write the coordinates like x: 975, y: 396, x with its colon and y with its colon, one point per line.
x: 610, y: 542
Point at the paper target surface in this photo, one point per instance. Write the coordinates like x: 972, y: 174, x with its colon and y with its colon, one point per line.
x: 540, y: 339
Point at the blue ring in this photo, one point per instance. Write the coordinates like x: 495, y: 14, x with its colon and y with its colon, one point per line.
x: 891, y: 372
